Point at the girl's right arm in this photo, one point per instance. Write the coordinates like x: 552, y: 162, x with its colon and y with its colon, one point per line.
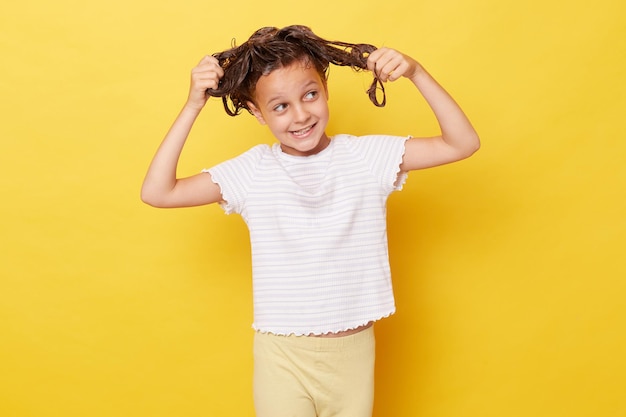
x: 161, y: 187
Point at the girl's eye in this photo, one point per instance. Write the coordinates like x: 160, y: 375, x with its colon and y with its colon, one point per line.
x: 280, y: 107
x: 310, y: 95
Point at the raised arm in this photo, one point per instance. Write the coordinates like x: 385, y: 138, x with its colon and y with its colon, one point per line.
x: 161, y: 187
x: 458, y: 139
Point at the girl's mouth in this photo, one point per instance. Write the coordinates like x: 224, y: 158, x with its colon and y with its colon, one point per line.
x: 302, y: 132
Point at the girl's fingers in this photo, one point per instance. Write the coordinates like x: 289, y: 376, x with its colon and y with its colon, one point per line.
x: 207, y: 59
x: 373, y: 58
x: 209, y: 71
x: 397, y: 71
x: 388, y: 64
x: 208, y: 64
x: 207, y: 74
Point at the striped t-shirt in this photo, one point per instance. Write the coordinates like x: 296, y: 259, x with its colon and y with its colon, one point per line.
x: 317, y: 230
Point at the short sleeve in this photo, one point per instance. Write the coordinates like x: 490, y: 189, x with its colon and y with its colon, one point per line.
x: 235, y: 177
x: 383, y: 155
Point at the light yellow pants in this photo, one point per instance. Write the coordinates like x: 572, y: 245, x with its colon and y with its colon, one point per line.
x: 299, y: 376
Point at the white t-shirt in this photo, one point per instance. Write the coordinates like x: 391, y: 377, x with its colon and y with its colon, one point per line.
x: 317, y: 230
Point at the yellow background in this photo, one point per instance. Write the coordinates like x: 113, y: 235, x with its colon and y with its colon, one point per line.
x: 508, y: 267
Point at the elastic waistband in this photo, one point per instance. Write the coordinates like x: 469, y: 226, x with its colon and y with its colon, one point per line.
x: 319, y: 343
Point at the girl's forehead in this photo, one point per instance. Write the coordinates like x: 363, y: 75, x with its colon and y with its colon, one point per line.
x: 288, y: 77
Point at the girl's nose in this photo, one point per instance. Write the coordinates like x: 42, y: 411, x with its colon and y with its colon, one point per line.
x: 301, y: 114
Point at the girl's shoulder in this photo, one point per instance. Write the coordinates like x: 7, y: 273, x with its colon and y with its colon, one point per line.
x: 255, y: 153
x: 260, y: 149
x: 245, y: 161
x: 371, y: 144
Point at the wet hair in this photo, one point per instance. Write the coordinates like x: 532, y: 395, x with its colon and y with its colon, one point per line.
x: 271, y: 48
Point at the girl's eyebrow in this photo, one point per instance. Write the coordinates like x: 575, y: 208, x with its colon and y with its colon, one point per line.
x: 274, y: 99
x: 310, y: 82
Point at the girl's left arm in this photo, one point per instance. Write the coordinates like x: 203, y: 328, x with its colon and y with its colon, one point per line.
x: 458, y: 139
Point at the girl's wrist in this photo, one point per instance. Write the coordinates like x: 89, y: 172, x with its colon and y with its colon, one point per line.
x: 193, y: 106
x: 417, y: 73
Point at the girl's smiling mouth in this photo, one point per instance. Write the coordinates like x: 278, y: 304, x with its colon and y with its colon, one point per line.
x: 302, y: 132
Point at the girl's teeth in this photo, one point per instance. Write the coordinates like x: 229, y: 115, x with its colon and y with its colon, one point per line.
x: 301, y: 132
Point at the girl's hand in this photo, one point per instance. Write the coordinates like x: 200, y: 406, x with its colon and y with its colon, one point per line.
x: 204, y: 76
x: 389, y: 64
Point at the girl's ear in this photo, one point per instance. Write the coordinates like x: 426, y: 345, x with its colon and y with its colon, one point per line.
x: 256, y: 112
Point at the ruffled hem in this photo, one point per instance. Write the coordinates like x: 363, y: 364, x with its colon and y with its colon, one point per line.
x: 318, y: 332
x: 224, y: 203
x: 401, y: 176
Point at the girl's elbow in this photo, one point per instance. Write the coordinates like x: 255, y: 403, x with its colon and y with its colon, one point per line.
x: 473, y: 146
x: 476, y: 145
x: 151, y: 199
x: 462, y: 147
x: 148, y: 200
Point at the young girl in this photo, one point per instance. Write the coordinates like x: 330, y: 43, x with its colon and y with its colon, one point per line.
x: 314, y: 206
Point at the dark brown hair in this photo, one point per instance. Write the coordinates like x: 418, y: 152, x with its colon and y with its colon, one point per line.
x: 271, y: 48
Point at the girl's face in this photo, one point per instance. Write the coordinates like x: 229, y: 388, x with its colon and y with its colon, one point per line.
x: 293, y: 102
